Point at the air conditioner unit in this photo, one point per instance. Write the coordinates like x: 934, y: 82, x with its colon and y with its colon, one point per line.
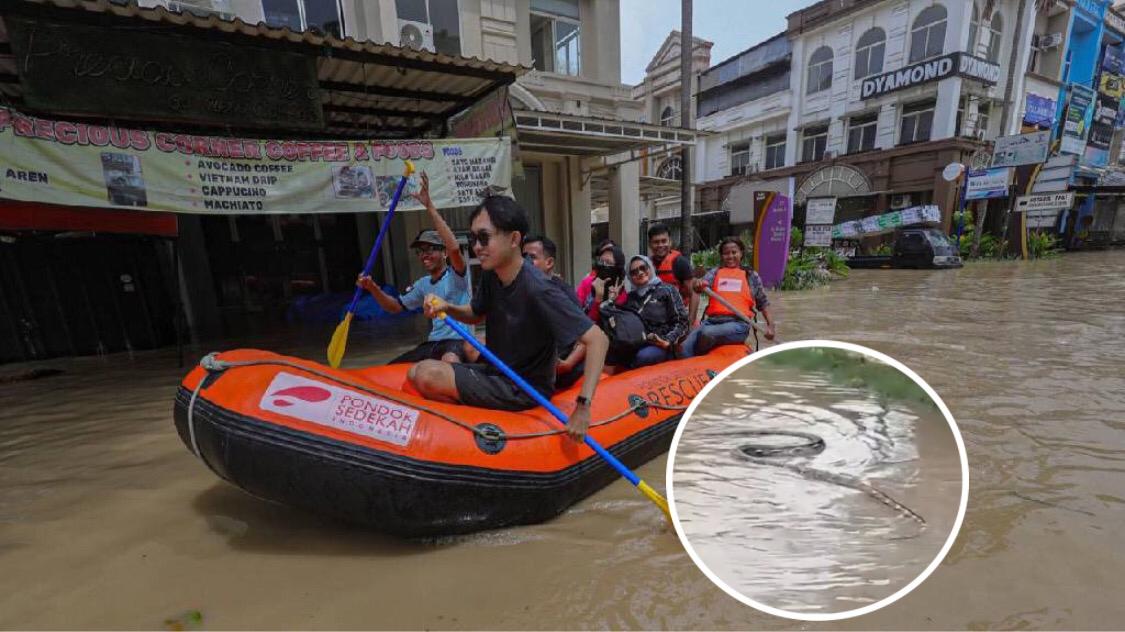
x: 202, y: 8
x: 1048, y: 40
x: 416, y: 35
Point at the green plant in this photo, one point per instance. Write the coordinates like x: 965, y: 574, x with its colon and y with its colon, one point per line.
x: 796, y: 237
x: 883, y: 249
x: 812, y: 268
x: 1042, y: 245
x: 706, y: 259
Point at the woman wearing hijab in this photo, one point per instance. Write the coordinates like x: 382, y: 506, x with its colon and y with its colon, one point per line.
x: 660, y: 308
x: 604, y: 281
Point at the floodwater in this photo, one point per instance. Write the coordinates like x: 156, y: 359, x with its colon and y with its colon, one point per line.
x: 107, y: 521
x: 792, y: 538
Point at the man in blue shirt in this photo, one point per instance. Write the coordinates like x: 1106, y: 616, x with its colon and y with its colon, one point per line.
x: 446, y: 276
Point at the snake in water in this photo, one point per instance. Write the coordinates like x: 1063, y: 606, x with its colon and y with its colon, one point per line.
x: 764, y: 454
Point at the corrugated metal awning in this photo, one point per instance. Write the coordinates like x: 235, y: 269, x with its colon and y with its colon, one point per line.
x: 367, y: 89
x: 574, y: 135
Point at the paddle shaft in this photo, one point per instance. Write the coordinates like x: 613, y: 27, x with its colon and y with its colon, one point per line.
x: 734, y: 310
x: 379, y: 240
x: 538, y: 397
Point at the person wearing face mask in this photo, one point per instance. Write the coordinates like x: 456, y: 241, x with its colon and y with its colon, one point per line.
x: 660, y: 309
x: 527, y: 318
x: 741, y: 287
x: 440, y: 255
x: 606, y: 280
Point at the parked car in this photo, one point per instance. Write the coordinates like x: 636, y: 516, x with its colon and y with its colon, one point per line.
x: 918, y: 247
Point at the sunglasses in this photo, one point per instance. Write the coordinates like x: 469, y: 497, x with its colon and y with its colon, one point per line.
x: 637, y: 271
x: 480, y: 237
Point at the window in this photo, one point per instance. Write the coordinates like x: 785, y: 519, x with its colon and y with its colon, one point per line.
x: 813, y: 142
x: 775, y: 152
x: 441, y: 15
x: 861, y: 132
x: 869, y: 53
x: 927, y: 36
x: 739, y: 158
x: 995, y: 28
x: 668, y: 117
x: 984, y: 113
x: 974, y: 31
x: 320, y: 16
x: 917, y: 122
x: 555, y: 36
x: 670, y: 169
x: 820, y: 70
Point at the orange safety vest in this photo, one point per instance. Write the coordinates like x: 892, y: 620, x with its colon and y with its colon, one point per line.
x: 664, y: 271
x: 733, y: 285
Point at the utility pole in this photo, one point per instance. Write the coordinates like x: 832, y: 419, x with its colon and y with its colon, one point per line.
x: 687, y: 121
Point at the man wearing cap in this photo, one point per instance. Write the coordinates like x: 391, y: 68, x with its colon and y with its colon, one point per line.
x: 445, y: 277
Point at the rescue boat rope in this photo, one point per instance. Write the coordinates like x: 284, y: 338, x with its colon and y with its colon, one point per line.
x: 761, y: 453
x: 212, y: 364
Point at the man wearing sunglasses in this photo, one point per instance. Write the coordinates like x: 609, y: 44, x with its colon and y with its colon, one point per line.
x: 445, y: 268
x: 526, y: 319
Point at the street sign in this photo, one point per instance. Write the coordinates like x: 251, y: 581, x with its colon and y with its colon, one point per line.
x: 820, y: 210
x: 1042, y: 219
x: 1044, y: 202
x: 1021, y: 149
x: 818, y: 235
x: 989, y: 183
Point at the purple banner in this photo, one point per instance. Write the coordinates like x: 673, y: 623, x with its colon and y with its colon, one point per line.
x: 773, y: 216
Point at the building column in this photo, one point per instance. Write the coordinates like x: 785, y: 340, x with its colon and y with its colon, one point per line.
x: 945, y: 112
x: 625, y: 206
x: 578, y: 218
x: 197, y: 286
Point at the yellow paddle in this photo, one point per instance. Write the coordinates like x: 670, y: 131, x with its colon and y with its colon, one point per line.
x: 340, y: 337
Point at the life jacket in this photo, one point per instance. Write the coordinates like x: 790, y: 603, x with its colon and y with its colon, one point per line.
x: 733, y: 284
x: 664, y: 271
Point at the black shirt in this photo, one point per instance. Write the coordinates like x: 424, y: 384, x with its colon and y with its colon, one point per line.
x: 558, y: 281
x: 681, y: 268
x: 527, y: 321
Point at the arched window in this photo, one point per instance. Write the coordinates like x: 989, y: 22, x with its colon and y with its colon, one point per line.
x: 927, y: 36
x: 668, y: 117
x: 820, y: 70
x: 974, y: 31
x: 995, y: 28
x: 869, y: 53
x: 670, y: 169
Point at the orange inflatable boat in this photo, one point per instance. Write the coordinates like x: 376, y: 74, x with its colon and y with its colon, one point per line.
x: 352, y: 444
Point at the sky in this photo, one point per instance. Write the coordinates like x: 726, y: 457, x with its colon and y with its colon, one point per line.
x: 733, y: 25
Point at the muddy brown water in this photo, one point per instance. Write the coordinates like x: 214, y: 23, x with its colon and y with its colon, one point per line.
x: 107, y: 521
x: 803, y: 532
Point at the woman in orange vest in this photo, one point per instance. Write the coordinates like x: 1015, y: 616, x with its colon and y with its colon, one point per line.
x: 741, y: 287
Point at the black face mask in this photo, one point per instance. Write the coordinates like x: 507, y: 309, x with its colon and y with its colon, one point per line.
x: 609, y: 272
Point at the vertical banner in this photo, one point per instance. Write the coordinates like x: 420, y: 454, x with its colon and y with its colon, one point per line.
x: 1076, y: 124
x: 772, y: 219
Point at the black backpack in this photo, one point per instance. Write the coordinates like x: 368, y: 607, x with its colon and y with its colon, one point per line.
x: 624, y: 328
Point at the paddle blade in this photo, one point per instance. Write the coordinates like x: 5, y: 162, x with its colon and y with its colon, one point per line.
x: 656, y: 498
x: 339, y: 342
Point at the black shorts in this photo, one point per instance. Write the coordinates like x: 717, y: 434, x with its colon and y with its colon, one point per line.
x: 484, y: 386
x: 432, y: 350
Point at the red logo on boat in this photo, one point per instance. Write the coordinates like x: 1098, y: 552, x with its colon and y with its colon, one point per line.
x: 311, y: 394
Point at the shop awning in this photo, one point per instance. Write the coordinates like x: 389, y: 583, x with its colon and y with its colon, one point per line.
x: 365, y: 89
x: 572, y: 135
x: 21, y: 216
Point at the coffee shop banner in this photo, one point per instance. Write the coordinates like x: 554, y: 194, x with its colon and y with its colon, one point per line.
x: 80, y: 164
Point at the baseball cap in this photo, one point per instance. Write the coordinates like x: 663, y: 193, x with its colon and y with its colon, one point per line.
x: 428, y: 237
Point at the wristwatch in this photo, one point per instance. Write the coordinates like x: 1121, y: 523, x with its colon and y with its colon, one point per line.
x: 582, y: 401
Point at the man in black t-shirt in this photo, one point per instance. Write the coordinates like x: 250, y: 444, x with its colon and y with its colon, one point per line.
x: 541, y: 251
x: 526, y: 319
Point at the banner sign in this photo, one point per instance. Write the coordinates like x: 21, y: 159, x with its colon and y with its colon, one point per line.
x: 1021, y: 149
x: 491, y: 117
x: 1042, y: 219
x: 1039, y: 110
x: 819, y: 235
x: 1076, y: 124
x: 1044, y: 202
x: 887, y: 222
x: 773, y: 217
x: 135, y: 73
x: 953, y: 64
x: 79, y: 164
x: 988, y: 183
x: 820, y: 211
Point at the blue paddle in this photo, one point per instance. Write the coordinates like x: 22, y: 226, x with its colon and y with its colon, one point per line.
x: 651, y: 493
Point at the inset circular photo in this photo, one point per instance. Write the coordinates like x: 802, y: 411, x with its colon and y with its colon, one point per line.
x: 817, y: 480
